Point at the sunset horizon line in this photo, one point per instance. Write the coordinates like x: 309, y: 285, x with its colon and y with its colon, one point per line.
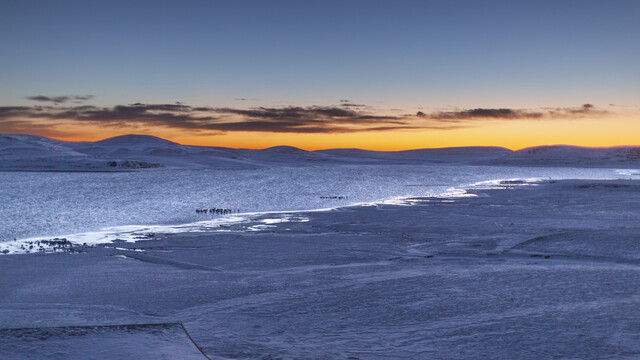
x: 343, y: 124
x: 334, y: 148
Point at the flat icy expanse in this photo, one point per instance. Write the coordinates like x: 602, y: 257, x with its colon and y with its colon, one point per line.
x: 528, y: 272
x: 55, y: 204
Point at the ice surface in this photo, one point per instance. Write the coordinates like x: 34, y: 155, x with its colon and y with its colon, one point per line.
x: 548, y: 271
x: 99, y: 207
x: 135, y: 341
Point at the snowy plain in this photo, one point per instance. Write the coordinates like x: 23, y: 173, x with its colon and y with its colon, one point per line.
x: 418, y: 260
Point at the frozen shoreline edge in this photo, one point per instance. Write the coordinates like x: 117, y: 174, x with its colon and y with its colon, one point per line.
x: 261, y: 220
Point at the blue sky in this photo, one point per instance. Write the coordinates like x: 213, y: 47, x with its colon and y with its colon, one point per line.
x: 416, y: 73
x: 393, y: 53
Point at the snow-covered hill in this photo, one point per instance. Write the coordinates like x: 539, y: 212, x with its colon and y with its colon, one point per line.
x: 154, y: 150
x: 28, y: 152
x: 18, y: 146
x: 35, y: 153
x: 563, y: 155
x: 471, y: 154
x: 286, y: 155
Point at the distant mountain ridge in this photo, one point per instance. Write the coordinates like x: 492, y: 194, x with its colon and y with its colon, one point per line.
x: 20, y: 152
x: 133, y: 140
x: 566, y: 155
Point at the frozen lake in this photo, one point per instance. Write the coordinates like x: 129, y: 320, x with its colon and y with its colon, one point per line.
x: 47, y: 204
x: 521, y: 272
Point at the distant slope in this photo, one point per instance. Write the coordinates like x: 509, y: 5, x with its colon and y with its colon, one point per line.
x: 17, y: 146
x: 133, y: 140
x: 564, y: 155
x: 129, y: 152
x: 169, y: 154
x: 288, y: 155
x: 28, y: 152
x: 468, y: 155
x: 34, y: 153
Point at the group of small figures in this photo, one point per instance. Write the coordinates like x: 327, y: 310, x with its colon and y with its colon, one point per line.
x: 334, y: 197
x: 49, y: 245
x: 217, y: 211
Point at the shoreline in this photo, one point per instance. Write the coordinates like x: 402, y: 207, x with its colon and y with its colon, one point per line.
x: 134, y: 233
x: 85, y: 211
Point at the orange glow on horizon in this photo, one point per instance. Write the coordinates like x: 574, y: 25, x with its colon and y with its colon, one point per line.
x: 595, y: 132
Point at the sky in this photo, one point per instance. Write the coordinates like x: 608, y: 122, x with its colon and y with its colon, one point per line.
x: 382, y: 75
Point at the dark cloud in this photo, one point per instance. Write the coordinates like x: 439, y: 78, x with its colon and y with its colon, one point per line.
x: 54, y: 99
x: 353, y: 105
x: 291, y: 119
x: 309, y: 115
x: 9, y: 110
x: 586, y: 110
x: 348, y: 103
x: 168, y: 115
x: 485, y: 114
x: 60, y: 99
x: 177, y: 107
x: 311, y: 119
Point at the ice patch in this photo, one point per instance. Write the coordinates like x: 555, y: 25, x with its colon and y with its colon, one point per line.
x: 128, y: 233
x: 628, y: 172
x: 505, y: 183
x: 268, y: 223
x: 260, y: 227
x: 133, y: 233
x: 126, y: 249
x: 275, y: 221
